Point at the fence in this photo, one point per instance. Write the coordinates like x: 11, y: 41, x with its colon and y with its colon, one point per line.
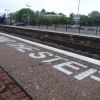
x: 82, y: 29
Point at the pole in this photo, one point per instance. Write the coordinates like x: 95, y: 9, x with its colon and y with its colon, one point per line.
x: 97, y: 30
x: 78, y: 13
x: 6, y: 12
x: 28, y: 16
x: 78, y: 8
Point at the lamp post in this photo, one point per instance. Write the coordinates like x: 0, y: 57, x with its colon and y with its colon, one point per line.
x: 78, y: 18
x: 28, y: 15
x: 6, y: 12
x: 78, y: 8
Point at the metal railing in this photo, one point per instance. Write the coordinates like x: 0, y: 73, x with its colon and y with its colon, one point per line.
x: 82, y: 29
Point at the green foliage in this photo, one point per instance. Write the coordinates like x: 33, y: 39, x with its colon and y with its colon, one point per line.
x: 71, y: 19
x: 51, y: 18
x: 94, y: 14
x: 83, y: 20
x: 37, y: 18
x: 93, y: 19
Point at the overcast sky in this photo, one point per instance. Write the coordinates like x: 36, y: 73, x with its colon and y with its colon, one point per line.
x: 64, y: 6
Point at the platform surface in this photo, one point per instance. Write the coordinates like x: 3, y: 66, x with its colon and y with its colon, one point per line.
x: 48, y: 73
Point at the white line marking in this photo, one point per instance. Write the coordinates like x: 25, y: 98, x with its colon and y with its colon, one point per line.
x: 84, y: 58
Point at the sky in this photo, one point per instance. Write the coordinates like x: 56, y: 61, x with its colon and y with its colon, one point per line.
x: 58, y: 6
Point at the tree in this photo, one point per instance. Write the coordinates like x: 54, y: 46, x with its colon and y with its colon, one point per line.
x: 71, y: 19
x: 38, y: 18
x: 94, y: 16
x: 83, y: 20
x: 23, y: 15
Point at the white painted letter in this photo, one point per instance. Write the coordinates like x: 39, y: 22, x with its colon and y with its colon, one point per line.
x: 95, y: 77
x: 22, y: 47
x: 85, y: 74
x: 5, y: 39
x: 40, y: 55
x: 54, y: 59
x: 60, y: 67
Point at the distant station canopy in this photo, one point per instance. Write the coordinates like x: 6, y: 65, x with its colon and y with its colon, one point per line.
x: 76, y: 18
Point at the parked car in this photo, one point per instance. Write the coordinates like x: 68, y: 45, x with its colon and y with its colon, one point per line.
x: 75, y: 26
x: 20, y: 24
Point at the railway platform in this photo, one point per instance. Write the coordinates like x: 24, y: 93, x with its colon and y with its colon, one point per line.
x: 48, y: 73
x: 91, y: 35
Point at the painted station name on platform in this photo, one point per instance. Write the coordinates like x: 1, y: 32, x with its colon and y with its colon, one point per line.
x: 62, y: 64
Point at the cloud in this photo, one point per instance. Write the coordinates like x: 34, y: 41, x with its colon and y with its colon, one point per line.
x: 64, y: 6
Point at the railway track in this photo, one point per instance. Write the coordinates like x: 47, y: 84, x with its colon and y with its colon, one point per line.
x: 73, y: 43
